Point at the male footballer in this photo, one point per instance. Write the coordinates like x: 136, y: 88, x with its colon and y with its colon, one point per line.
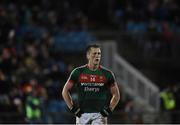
x: 98, y: 92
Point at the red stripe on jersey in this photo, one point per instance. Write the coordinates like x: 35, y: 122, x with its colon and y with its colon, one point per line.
x: 88, y: 78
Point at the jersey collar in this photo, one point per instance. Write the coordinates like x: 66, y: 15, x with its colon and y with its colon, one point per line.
x: 93, y: 70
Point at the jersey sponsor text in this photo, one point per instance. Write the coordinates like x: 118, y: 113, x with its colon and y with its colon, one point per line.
x: 91, y: 89
x: 92, y: 84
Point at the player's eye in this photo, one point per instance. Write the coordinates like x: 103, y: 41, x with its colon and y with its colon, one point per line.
x: 97, y: 53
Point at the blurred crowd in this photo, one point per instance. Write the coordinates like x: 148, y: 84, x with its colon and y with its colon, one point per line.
x: 36, y: 35
x: 32, y: 68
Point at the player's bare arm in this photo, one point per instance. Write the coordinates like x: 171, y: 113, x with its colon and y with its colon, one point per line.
x: 113, y: 102
x: 115, y: 96
x: 66, y: 95
x: 68, y: 99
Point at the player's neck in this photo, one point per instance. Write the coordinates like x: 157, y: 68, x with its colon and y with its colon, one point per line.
x: 92, y: 66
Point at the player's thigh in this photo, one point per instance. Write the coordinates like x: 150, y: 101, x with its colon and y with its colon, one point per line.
x: 99, y: 120
x: 84, y: 119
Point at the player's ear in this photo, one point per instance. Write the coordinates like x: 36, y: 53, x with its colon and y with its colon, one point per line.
x: 87, y: 55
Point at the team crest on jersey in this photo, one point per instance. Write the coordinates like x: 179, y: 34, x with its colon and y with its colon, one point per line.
x: 101, y: 78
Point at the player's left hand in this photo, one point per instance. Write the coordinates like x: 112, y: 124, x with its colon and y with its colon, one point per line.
x: 106, y: 111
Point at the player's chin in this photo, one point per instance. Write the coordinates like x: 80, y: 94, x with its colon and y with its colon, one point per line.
x: 96, y: 62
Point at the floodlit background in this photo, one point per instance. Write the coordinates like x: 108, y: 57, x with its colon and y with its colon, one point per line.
x: 42, y: 41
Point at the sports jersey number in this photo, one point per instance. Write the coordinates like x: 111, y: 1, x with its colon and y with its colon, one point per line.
x: 93, y: 79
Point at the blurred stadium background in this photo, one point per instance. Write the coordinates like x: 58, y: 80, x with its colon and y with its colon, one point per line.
x: 42, y: 41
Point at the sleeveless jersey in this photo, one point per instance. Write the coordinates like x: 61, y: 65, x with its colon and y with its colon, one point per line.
x: 93, y: 87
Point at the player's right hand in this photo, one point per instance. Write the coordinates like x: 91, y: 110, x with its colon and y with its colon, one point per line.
x: 76, y: 110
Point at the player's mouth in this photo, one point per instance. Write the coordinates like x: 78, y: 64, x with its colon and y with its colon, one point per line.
x: 97, y: 59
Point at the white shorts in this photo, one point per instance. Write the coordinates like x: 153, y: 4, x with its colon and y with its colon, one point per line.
x: 91, y: 118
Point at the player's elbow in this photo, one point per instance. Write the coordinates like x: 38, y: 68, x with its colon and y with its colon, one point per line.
x: 117, y: 97
x: 64, y: 92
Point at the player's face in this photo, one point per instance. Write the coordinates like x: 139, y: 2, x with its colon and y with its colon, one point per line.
x: 94, y: 56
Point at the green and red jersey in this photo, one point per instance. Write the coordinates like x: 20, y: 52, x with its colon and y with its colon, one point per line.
x: 93, y: 87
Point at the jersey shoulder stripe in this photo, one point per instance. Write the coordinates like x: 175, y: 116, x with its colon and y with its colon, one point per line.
x: 80, y: 67
x: 105, y: 69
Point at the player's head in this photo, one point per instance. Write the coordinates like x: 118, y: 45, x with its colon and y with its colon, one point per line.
x: 93, y: 54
